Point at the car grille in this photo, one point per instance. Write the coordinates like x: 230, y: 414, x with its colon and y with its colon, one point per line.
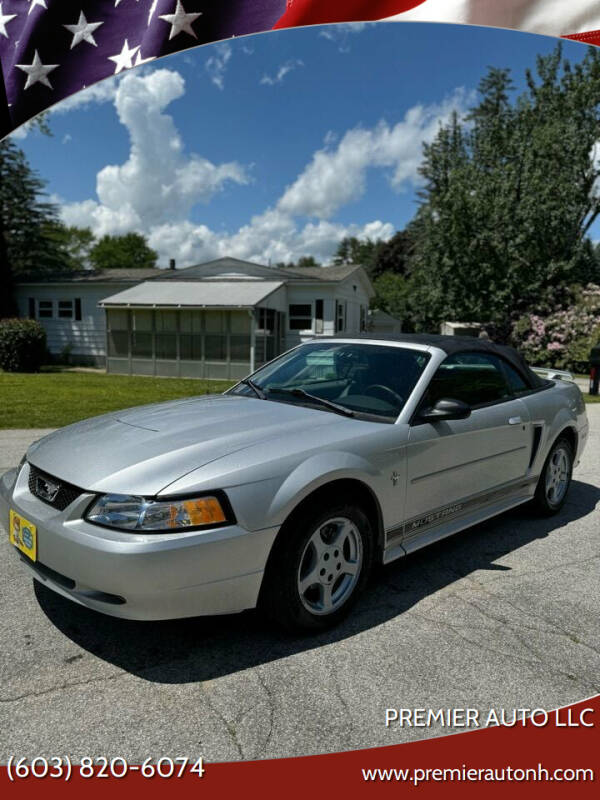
x: 61, y: 497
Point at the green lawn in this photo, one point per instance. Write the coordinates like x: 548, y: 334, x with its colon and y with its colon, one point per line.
x: 54, y: 398
x: 591, y: 398
x: 57, y: 398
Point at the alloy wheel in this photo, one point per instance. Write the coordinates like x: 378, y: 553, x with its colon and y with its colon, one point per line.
x: 330, y: 566
x: 557, y: 475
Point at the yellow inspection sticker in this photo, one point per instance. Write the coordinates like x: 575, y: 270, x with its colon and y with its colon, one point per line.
x: 23, y: 534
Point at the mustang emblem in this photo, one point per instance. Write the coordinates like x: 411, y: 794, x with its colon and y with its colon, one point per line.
x: 46, y: 489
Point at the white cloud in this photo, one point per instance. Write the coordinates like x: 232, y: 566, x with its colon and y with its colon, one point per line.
x: 269, y: 236
x: 339, y: 33
x: 271, y: 80
x: 67, y: 138
x: 22, y: 132
x: 102, y: 92
x: 158, y: 182
x: 336, y: 31
x: 216, y: 65
x: 155, y: 190
x: 337, y: 176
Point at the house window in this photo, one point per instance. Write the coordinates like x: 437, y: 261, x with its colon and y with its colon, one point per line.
x: 31, y: 307
x: 363, y: 318
x: 340, y: 316
x: 78, y: 309
x: 265, y: 320
x: 300, y: 317
x: 318, y: 316
x: 45, y: 308
x: 65, y: 309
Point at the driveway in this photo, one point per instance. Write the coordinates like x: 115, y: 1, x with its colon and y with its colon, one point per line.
x: 506, y: 614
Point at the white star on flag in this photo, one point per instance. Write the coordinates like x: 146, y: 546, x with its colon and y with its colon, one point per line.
x: 37, y: 72
x: 152, y: 10
x: 139, y: 60
x: 124, y: 60
x: 34, y: 3
x: 4, y: 19
x: 180, y: 21
x: 83, y: 31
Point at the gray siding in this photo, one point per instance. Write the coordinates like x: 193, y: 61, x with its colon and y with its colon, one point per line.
x: 86, y: 337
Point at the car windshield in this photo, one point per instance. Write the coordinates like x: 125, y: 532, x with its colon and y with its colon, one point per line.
x: 371, y: 381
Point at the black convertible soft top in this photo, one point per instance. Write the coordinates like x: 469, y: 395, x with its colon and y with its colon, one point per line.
x: 455, y: 344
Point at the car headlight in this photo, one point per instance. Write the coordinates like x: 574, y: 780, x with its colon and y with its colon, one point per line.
x: 142, y: 514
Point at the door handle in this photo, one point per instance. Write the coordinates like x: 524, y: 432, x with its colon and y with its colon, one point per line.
x: 515, y: 421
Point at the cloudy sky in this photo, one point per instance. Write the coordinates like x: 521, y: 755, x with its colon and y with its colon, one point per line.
x: 272, y: 146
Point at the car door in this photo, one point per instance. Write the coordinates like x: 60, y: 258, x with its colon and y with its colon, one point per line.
x: 451, y: 461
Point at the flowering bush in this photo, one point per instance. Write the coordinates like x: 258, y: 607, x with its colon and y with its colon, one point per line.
x: 564, y: 338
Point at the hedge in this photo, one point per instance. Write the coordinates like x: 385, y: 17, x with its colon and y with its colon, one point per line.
x: 22, y: 345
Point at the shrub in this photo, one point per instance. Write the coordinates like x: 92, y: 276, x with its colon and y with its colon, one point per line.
x: 564, y: 338
x: 22, y: 345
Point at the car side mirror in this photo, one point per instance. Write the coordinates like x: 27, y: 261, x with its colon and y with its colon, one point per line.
x: 446, y: 408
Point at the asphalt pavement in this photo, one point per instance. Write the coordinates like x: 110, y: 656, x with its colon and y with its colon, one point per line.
x: 506, y: 614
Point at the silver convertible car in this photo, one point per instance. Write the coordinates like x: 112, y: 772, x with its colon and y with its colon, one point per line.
x: 284, y: 492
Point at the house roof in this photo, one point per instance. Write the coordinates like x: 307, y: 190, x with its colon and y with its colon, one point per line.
x: 338, y: 273
x: 235, y: 268
x: 93, y: 276
x: 176, y: 294
x: 229, y: 269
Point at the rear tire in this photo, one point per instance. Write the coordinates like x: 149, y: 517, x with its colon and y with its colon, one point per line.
x: 555, y: 479
x: 320, y: 563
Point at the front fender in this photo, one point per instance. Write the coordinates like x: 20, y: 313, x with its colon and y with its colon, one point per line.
x: 316, y: 471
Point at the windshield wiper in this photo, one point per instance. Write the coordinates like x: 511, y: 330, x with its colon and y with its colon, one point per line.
x: 256, y: 389
x: 314, y: 399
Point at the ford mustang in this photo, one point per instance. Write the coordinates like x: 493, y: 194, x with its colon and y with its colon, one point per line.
x: 284, y: 491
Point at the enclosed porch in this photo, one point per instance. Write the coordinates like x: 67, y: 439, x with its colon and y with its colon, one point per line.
x: 147, y: 334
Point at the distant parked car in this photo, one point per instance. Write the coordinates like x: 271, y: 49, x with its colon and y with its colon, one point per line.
x: 284, y: 491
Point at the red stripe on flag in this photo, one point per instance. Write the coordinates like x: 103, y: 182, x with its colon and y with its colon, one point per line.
x: 314, y: 12
x: 589, y: 37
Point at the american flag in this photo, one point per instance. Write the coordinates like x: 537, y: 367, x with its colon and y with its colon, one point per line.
x: 51, y: 49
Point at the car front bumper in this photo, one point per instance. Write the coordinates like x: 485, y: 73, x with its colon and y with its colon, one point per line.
x: 138, y: 576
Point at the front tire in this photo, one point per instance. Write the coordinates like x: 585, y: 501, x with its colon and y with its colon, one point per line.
x: 320, y: 564
x: 554, y: 482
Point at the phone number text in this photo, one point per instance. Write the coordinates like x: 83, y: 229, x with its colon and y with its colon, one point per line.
x: 63, y: 767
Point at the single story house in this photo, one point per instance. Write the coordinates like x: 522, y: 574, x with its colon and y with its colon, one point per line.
x: 221, y: 319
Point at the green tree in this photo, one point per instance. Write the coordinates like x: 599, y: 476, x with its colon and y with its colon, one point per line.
x: 352, y: 250
x: 392, y: 294
x: 303, y: 261
x: 509, y: 197
x: 307, y: 261
x: 130, y: 251
x: 393, y: 255
x: 26, y: 219
x: 75, y: 243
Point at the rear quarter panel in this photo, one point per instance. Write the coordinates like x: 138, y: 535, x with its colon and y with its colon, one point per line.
x: 556, y: 408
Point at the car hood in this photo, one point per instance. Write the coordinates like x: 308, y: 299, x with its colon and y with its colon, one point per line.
x: 142, y: 450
